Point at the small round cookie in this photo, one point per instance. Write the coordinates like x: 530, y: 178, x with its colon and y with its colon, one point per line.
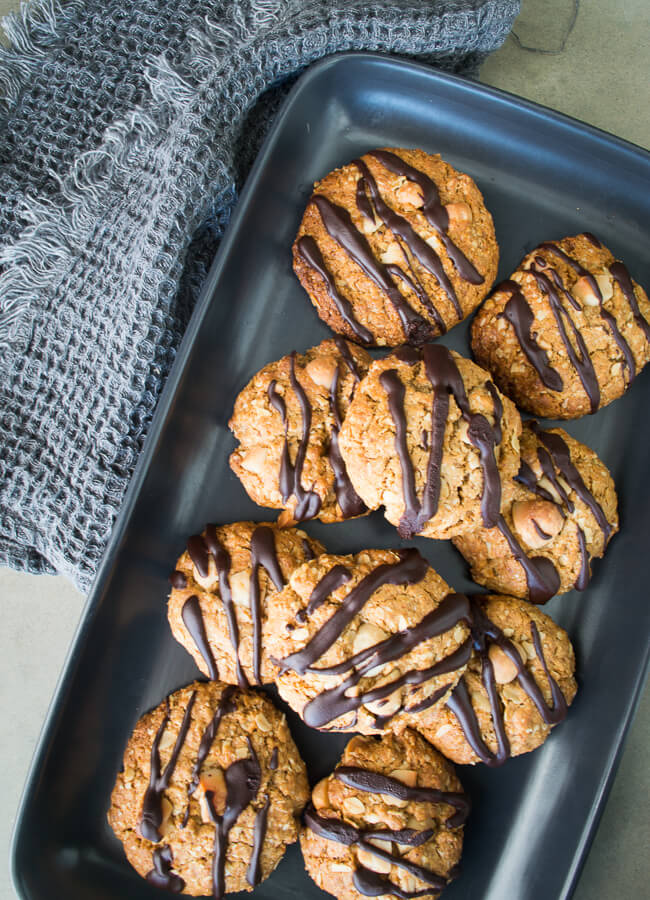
x: 287, y: 421
x: 223, y: 589
x: 395, y: 247
x: 568, y: 332
x: 429, y: 437
x: 361, y: 639
x: 388, y: 821
x: 517, y: 686
x: 561, y: 514
x: 210, y: 791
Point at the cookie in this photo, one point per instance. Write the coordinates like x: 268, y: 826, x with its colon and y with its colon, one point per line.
x: 360, y: 639
x: 210, y: 791
x: 223, y: 589
x: 516, y: 688
x: 568, y: 332
x: 429, y: 437
x: 287, y: 421
x: 388, y: 821
x: 561, y: 514
x: 395, y: 247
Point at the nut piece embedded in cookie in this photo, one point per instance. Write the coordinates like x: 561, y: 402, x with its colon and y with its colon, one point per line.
x: 568, y: 332
x: 395, y: 247
x: 516, y: 688
x: 429, y: 437
x: 287, y: 421
x: 223, y: 588
x: 560, y: 514
x: 361, y: 640
x: 388, y: 821
x: 207, y: 801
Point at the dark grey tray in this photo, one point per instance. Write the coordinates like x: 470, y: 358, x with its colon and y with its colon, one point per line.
x: 543, y: 176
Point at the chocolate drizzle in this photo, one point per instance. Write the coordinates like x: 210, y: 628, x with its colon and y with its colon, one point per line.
x: 307, y: 550
x: 262, y: 554
x: 308, y: 503
x: 152, y: 814
x: 333, y: 703
x: 417, y: 246
x: 340, y: 227
x: 262, y: 550
x: 520, y: 315
x: 374, y: 783
x: 243, y: 779
x: 161, y: 875
x: 542, y: 577
x: 560, y: 456
x: 367, y: 882
x: 435, y: 213
x: 347, y: 498
x: 334, y: 579
x: 309, y: 251
x: 254, y: 870
x: 556, y: 454
x: 178, y: 580
x: 226, y: 705
x: 485, y: 633
x: 622, y: 277
x: 410, y: 569
x: 550, y: 284
x: 608, y: 318
x: 445, y: 378
x: 193, y: 621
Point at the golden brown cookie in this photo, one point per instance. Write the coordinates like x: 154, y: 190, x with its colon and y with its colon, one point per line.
x: 223, y: 589
x: 515, y: 689
x: 568, y: 332
x: 429, y: 437
x: 395, y: 247
x: 287, y: 421
x: 388, y: 821
x: 210, y: 791
x: 561, y: 514
x: 361, y: 639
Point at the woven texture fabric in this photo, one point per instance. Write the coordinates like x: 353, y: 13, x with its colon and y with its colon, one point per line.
x: 127, y: 131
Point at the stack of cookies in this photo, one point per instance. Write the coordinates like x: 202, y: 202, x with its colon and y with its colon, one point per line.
x: 393, y: 250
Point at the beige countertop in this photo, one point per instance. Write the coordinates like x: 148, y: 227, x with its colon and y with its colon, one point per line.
x: 601, y: 77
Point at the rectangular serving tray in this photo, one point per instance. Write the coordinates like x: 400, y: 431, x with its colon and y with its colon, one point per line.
x: 543, y: 176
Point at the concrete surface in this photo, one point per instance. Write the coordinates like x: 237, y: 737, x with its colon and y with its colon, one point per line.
x: 601, y: 77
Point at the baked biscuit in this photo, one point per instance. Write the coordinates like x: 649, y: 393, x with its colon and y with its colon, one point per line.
x: 223, y: 589
x: 388, y: 821
x: 210, y: 791
x: 429, y: 437
x: 515, y: 689
x: 360, y: 639
x: 287, y: 421
x: 395, y: 247
x: 568, y: 332
x: 561, y: 514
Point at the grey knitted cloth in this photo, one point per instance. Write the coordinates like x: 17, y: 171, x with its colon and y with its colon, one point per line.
x: 127, y: 131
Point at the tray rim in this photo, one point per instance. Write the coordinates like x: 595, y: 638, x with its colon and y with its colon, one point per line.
x: 463, y: 86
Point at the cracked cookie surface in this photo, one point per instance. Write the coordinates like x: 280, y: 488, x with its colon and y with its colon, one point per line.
x: 361, y: 639
x: 395, y: 247
x: 223, y: 588
x: 429, y: 437
x: 516, y: 688
x: 388, y: 821
x: 568, y: 332
x: 210, y: 791
x: 561, y: 508
x: 287, y: 421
